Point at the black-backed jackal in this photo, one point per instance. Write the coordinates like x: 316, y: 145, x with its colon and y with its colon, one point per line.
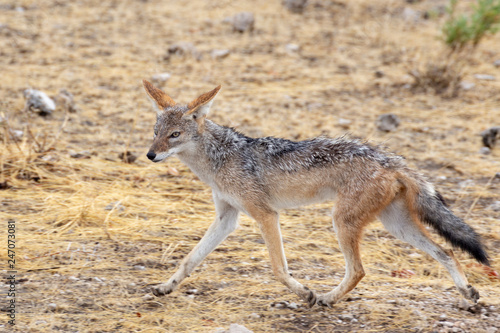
x: 261, y: 176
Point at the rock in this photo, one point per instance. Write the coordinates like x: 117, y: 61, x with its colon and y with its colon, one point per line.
x: 466, y: 85
x: 80, y: 155
x: 182, y: 49
x: 66, y: 100
x: 387, y: 122
x: 52, y: 307
x: 219, y: 54
x: 485, y: 77
x: 73, y: 279
x: 345, y: 123
x: 495, y: 206
x: 116, y: 206
x: 295, y: 6
x: 292, y: 48
x: 139, y: 267
x: 39, y: 102
x: 244, y: 21
x: 293, y: 306
x: 496, y: 63
x: 161, y: 77
x: 235, y: 328
x: 490, y: 136
x: 379, y: 74
x: 411, y: 15
x: 127, y: 157
x: 485, y: 151
x: 17, y: 134
x: 148, y: 297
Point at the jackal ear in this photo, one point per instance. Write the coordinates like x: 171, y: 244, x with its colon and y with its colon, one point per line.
x: 159, y: 98
x: 202, y: 104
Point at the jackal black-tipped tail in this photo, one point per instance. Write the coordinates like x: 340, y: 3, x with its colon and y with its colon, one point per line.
x: 430, y: 208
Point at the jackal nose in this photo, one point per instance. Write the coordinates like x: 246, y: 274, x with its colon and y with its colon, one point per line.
x: 151, y: 155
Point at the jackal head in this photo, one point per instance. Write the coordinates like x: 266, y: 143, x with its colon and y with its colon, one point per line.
x: 177, y: 126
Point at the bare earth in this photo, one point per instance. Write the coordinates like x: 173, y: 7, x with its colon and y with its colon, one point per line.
x: 93, y: 232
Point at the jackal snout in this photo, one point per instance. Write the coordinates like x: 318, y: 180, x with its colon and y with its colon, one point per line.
x: 151, y: 155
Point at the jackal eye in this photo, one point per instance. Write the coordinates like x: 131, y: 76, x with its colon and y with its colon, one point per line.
x: 175, y: 134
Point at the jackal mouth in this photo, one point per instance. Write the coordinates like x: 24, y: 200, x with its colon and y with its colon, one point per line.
x: 159, y: 157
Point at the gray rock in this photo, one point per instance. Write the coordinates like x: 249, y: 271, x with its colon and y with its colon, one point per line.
x: 495, y: 207
x: 244, y: 21
x: 220, y: 54
x: 235, y: 328
x: 39, y: 102
x: 491, y: 136
x: 52, y: 306
x: 292, y: 48
x: 295, y: 6
x: 485, y: 77
x: 161, y: 77
x: 183, y: 49
x: 387, y: 122
x: 485, y: 151
x: 139, y: 267
x: 466, y: 85
x: 496, y: 63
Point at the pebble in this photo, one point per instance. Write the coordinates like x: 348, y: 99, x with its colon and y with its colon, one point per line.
x: 485, y: 77
x: 491, y: 136
x: 485, y: 151
x: 244, y: 21
x: 38, y: 101
x: 139, y: 267
x: 293, y: 306
x: 148, y: 297
x: 292, y: 48
x: 161, y: 77
x: 52, y: 306
x: 119, y: 207
x: 183, y: 49
x: 496, y: 63
x: 220, y: 54
x: 73, y: 279
x: 467, y: 85
x: 387, y: 122
x: 295, y: 6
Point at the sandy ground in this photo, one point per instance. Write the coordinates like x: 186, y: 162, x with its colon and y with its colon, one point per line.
x: 93, y: 232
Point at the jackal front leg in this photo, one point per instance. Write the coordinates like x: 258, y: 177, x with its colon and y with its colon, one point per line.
x: 225, y: 222
x: 270, y: 228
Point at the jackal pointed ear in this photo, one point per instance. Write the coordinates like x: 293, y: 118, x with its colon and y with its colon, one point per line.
x: 202, y: 104
x: 159, y: 98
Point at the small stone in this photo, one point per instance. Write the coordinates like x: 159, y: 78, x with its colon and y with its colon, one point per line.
x: 39, y: 102
x: 161, y: 77
x: 485, y: 77
x: 292, y: 48
x: 96, y: 279
x: 148, y: 297
x: 347, y: 317
x: 387, y: 122
x: 379, y: 74
x: 220, y: 54
x: 467, y: 85
x: 254, y: 315
x: 496, y: 63
x: 17, y: 134
x: 73, y: 279
x: 127, y: 157
x: 495, y: 207
x: 244, y: 21
x: 116, y: 206
x: 293, y: 306
x: 344, y: 122
x: 183, y: 49
x: 485, y: 151
x: 52, y: 306
x: 295, y: 6
x: 192, y: 291
x: 139, y: 267
x: 491, y: 136
x: 235, y: 328
x: 447, y: 323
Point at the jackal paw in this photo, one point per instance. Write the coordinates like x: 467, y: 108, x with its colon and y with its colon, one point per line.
x: 311, y: 299
x: 471, y: 293
x: 162, y: 289
x: 323, y: 300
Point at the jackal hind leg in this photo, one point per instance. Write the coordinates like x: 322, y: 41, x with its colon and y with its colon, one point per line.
x: 270, y: 229
x: 398, y: 221
x: 348, y: 234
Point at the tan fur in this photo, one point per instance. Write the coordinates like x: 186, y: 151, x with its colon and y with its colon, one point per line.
x: 267, y: 175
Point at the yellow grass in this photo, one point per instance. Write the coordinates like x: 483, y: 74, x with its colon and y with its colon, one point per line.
x: 100, y: 50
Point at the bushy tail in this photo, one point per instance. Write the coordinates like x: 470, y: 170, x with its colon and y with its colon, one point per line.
x: 429, y: 207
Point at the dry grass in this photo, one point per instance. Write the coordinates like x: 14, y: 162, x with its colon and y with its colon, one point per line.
x: 100, y: 50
